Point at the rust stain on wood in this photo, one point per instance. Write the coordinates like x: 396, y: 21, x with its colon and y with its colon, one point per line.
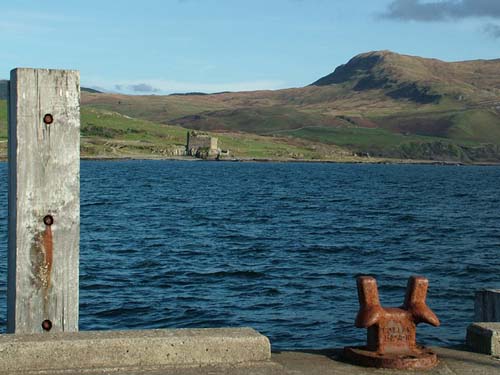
x: 42, y: 256
x: 49, y: 250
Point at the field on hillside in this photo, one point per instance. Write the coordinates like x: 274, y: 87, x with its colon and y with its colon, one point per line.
x: 379, y: 103
x: 110, y: 134
x: 404, y: 131
x: 107, y: 134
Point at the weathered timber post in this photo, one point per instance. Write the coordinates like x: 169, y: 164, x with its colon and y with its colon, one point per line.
x: 44, y: 201
x: 487, y: 305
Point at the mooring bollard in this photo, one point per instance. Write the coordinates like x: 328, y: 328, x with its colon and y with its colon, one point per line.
x: 44, y: 201
x: 392, y: 331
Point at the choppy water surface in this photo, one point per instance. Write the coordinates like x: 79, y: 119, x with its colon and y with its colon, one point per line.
x: 278, y: 246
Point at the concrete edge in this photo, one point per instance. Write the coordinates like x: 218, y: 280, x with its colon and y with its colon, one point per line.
x: 247, y: 368
x: 128, y: 349
x: 484, y: 337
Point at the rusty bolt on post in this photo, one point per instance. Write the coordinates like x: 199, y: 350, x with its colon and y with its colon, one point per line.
x: 47, y: 325
x: 48, y: 220
x: 391, y: 339
x: 48, y: 119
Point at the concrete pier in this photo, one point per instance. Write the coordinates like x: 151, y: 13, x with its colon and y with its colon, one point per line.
x: 311, y: 362
x: 149, y: 349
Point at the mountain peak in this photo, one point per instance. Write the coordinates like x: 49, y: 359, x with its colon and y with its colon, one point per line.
x: 383, y: 66
x: 356, y: 68
x: 380, y: 53
x: 400, y: 76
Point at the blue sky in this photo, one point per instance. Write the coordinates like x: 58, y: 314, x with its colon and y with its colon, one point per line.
x: 154, y: 46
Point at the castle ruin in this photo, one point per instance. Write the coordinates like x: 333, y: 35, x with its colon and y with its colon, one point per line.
x: 201, y: 145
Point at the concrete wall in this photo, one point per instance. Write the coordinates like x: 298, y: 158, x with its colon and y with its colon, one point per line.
x: 124, y: 349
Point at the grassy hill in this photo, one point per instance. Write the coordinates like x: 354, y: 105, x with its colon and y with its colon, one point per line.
x: 107, y: 134
x: 381, y: 103
x: 110, y: 134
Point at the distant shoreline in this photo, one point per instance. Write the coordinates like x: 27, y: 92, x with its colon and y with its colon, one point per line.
x: 270, y: 160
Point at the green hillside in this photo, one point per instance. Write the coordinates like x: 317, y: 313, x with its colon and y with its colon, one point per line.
x: 107, y: 134
x: 379, y: 103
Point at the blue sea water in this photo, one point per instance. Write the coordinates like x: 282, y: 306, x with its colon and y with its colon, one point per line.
x: 277, y: 246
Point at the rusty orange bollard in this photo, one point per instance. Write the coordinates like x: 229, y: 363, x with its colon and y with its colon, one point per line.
x: 392, y: 331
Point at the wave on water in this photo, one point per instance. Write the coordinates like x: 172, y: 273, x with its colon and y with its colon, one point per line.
x: 278, y: 246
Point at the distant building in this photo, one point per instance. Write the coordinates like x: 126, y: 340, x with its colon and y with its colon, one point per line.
x: 201, y: 145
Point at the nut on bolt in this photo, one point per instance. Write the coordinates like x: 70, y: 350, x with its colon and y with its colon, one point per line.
x: 47, y: 325
x: 48, y: 220
x: 48, y: 119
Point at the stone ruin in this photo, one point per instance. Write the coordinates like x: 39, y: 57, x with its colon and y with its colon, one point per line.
x: 201, y: 145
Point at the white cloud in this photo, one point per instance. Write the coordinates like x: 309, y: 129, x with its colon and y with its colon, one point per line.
x: 20, y: 22
x: 159, y: 86
x: 439, y: 10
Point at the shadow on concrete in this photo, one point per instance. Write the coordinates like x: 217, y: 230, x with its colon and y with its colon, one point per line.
x: 461, y: 353
x: 457, y: 356
x: 335, y: 354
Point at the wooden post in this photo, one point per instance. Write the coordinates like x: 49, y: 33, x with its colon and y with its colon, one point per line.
x: 487, y: 306
x: 44, y: 201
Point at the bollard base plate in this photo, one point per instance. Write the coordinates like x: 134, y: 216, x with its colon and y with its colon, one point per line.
x: 419, y: 358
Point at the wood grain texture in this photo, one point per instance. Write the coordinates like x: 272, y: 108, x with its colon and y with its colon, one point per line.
x: 44, y: 179
x: 487, y: 305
